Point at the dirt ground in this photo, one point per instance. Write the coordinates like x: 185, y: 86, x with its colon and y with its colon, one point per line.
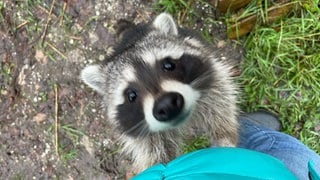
x: 51, y: 124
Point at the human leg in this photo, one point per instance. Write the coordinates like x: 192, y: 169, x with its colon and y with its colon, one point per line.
x: 288, y: 149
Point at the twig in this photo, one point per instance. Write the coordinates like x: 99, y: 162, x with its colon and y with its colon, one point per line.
x: 56, y: 141
x: 75, y: 37
x: 63, y: 11
x: 22, y: 24
x: 48, y: 21
x: 184, y: 14
x: 43, y: 9
x: 56, y: 50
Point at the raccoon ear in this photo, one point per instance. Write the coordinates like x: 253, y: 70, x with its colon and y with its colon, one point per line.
x: 165, y: 23
x: 92, y: 76
x: 123, y: 25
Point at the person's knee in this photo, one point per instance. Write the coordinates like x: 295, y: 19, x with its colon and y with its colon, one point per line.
x: 255, y: 137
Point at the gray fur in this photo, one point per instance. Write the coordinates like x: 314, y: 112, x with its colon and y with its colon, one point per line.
x: 212, y: 113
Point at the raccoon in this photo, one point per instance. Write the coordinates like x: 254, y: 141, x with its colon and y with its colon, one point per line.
x: 161, y: 84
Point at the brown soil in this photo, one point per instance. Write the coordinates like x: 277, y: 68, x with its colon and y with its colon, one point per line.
x: 40, y: 65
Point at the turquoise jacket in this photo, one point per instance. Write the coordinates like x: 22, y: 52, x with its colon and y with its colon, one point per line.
x: 221, y: 163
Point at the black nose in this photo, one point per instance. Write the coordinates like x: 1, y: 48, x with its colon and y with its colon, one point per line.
x: 168, y: 106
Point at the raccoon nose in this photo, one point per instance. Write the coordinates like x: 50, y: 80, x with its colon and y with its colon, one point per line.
x: 168, y: 106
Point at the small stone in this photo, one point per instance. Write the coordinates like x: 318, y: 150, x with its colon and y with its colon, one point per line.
x: 39, y: 55
x: 93, y: 37
x: 40, y: 117
x: 4, y: 92
x: 221, y: 44
x: 88, y: 144
x: 101, y: 57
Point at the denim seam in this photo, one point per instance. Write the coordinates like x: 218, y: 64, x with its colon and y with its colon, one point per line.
x: 272, y: 138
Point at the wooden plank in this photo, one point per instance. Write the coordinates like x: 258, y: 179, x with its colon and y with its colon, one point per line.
x: 246, y: 24
x: 232, y: 5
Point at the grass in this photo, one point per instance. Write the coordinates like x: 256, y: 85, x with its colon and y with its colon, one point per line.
x: 281, y: 72
x: 196, y: 143
x: 187, y: 12
x: 172, y: 7
x: 68, y: 142
x: 281, y: 69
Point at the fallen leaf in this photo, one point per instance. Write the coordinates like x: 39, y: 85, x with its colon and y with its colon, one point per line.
x: 88, y: 145
x: 40, y: 117
x: 41, y: 57
x: 221, y: 44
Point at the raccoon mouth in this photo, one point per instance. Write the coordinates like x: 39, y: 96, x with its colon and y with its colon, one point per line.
x: 180, y: 119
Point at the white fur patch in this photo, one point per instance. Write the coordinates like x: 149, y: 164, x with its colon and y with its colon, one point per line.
x: 153, y: 123
x: 171, y: 50
x: 149, y: 57
x: 193, y: 42
x: 129, y: 74
x: 116, y: 99
x: 158, y: 53
x: 119, y: 98
x: 190, y: 95
x: 118, y: 88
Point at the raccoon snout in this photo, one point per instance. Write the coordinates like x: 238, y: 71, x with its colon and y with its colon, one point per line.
x: 168, y: 106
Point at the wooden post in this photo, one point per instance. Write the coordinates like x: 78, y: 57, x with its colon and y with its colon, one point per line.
x: 232, y: 5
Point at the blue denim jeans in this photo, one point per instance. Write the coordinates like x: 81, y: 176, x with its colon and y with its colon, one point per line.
x: 288, y: 149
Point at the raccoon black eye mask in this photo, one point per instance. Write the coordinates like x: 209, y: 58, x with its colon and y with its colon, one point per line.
x: 161, y: 84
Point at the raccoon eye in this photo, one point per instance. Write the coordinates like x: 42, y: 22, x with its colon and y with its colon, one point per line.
x: 131, y: 95
x: 168, y: 65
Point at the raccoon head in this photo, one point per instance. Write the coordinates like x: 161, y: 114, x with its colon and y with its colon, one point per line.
x: 155, y: 77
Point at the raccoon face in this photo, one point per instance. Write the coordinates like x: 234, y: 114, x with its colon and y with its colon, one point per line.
x: 154, y: 78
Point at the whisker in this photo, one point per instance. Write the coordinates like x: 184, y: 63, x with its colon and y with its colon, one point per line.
x: 133, y: 128
x: 144, y: 131
x: 203, y: 77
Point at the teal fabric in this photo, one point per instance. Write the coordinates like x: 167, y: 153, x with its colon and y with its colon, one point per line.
x: 313, y: 173
x: 219, y: 163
